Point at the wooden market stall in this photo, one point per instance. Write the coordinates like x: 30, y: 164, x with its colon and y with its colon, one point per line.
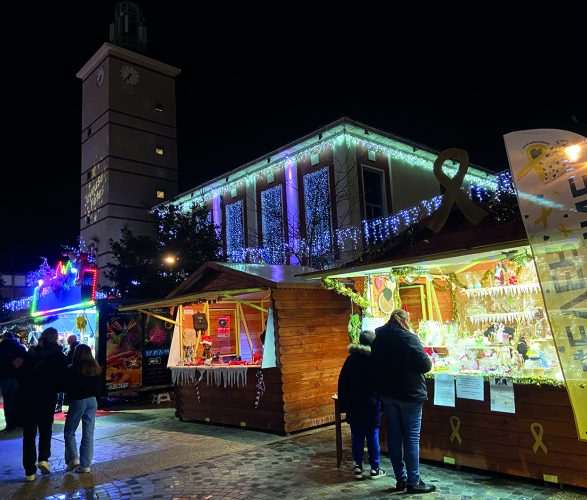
x: 305, y: 346
x: 462, y: 287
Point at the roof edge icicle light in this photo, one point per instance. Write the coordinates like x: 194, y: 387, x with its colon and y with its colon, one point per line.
x: 259, y: 170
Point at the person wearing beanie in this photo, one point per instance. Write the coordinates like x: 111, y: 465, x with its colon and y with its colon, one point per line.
x: 358, y: 399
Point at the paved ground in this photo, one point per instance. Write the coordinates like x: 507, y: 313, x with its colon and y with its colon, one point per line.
x: 148, y: 453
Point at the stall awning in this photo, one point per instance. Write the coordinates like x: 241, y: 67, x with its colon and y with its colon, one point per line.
x: 186, y: 299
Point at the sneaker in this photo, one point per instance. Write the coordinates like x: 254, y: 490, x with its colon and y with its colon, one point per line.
x: 30, y: 478
x: 421, y: 487
x: 377, y: 473
x: 72, y: 465
x: 44, y: 467
x: 79, y: 469
x: 58, y: 409
x: 400, y: 486
x: 358, y: 471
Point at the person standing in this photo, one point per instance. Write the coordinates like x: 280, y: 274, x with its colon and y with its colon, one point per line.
x: 83, y: 385
x: 72, y: 343
x: 10, y: 349
x: 357, y: 398
x: 400, y: 362
x: 40, y: 375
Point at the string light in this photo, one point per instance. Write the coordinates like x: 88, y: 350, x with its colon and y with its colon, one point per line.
x: 235, y: 230
x: 419, y: 159
x: 272, y: 225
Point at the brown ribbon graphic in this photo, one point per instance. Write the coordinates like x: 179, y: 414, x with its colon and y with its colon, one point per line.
x: 453, y: 193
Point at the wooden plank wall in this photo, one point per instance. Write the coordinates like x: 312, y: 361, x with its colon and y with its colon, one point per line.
x: 235, y: 405
x: 311, y: 346
x: 503, y: 442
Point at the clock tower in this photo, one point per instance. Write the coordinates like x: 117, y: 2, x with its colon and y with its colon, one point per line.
x: 128, y: 136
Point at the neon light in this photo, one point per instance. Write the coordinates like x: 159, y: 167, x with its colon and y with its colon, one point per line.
x: 94, y: 281
x: 82, y: 305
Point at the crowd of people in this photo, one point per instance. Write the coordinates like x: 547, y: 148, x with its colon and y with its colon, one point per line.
x: 385, y: 371
x: 35, y: 382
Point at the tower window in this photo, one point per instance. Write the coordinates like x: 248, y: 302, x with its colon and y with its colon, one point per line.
x: 88, y: 219
x: 159, y: 151
x: 89, y: 131
x: 89, y: 174
x: 161, y: 194
x: 159, y: 107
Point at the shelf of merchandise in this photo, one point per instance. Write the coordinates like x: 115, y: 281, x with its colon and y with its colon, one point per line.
x: 502, y: 290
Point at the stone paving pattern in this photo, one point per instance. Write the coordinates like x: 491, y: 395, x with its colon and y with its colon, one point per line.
x: 148, y: 453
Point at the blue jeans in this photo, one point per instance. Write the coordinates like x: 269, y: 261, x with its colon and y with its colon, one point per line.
x: 84, y: 410
x: 403, y: 438
x: 358, y: 434
x: 9, y: 386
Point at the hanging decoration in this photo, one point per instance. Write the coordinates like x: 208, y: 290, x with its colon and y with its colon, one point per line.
x: 81, y: 323
x: 354, y: 328
x: 260, y: 385
x: 197, y: 378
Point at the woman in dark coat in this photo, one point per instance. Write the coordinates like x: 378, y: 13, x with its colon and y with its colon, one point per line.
x: 400, y: 361
x: 358, y: 399
x: 40, y: 378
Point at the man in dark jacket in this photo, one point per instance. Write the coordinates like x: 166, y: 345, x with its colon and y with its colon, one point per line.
x: 401, y: 362
x: 10, y: 349
x: 40, y: 378
x: 357, y: 397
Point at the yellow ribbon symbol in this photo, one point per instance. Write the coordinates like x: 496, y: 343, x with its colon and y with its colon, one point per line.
x: 535, y: 155
x: 538, y: 437
x: 453, y: 193
x: 455, y: 425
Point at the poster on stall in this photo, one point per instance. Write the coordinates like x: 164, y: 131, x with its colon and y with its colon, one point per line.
x: 223, y: 326
x: 124, y: 343
x: 444, y: 390
x: 158, y: 335
x: 470, y: 387
x: 549, y: 169
x: 501, y: 394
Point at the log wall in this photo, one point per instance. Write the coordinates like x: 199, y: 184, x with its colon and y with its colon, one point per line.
x: 311, y: 346
x: 505, y: 442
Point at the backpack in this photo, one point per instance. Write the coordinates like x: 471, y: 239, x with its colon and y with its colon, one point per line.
x: 200, y: 321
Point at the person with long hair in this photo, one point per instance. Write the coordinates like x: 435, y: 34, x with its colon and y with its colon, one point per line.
x: 40, y: 376
x: 400, y: 362
x: 83, y: 385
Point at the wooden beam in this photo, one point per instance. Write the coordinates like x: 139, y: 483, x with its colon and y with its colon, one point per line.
x: 169, y: 320
x: 244, y: 319
x: 246, y: 302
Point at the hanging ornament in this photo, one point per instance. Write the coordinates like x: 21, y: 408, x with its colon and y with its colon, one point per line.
x: 81, y: 323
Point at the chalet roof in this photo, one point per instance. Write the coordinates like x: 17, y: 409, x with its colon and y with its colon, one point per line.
x: 419, y: 244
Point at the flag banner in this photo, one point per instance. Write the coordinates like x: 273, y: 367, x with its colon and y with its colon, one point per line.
x: 549, y: 169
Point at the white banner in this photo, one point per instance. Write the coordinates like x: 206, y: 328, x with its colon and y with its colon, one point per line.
x: 550, y: 174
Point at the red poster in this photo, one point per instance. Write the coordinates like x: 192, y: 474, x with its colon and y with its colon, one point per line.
x: 223, y: 326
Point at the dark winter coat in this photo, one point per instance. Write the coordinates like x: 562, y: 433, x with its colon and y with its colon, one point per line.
x: 9, y: 350
x: 357, y: 395
x: 78, y: 386
x: 40, y: 379
x: 400, y: 362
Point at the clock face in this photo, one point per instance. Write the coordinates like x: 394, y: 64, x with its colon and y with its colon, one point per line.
x: 129, y: 75
x: 100, y: 76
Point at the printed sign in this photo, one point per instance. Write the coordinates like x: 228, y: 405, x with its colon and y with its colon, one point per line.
x: 223, y: 326
x: 549, y: 168
x: 124, y: 342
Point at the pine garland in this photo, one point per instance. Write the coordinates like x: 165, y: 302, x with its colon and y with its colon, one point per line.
x: 363, y: 302
x: 518, y: 379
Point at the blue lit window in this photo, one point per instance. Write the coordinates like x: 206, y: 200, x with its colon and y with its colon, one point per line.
x: 318, y: 218
x: 235, y: 230
x: 272, y: 225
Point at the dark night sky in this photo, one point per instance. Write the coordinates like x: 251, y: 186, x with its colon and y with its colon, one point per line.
x: 247, y: 88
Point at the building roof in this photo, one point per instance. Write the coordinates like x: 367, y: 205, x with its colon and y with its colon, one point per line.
x: 341, y: 129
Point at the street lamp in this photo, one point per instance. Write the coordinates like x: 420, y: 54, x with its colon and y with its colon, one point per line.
x: 170, y: 259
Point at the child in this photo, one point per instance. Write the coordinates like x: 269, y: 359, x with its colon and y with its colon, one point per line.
x: 357, y: 398
x: 83, y: 384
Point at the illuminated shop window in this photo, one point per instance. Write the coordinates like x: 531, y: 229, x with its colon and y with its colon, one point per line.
x: 159, y: 151
x: 161, y: 194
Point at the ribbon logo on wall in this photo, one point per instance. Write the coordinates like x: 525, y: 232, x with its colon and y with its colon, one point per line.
x: 538, y: 432
x: 455, y: 425
x: 549, y: 168
x: 453, y: 194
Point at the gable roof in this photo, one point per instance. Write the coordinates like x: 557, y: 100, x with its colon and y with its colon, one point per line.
x: 221, y: 276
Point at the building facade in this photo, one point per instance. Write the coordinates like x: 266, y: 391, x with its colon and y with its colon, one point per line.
x: 321, y: 199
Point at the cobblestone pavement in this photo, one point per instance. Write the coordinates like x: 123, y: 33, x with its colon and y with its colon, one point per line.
x: 148, y: 453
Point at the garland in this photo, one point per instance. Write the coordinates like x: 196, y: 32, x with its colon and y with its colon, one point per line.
x: 363, y: 302
x: 518, y: 379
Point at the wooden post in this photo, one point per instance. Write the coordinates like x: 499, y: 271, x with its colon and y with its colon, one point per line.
x: 244, y: 319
